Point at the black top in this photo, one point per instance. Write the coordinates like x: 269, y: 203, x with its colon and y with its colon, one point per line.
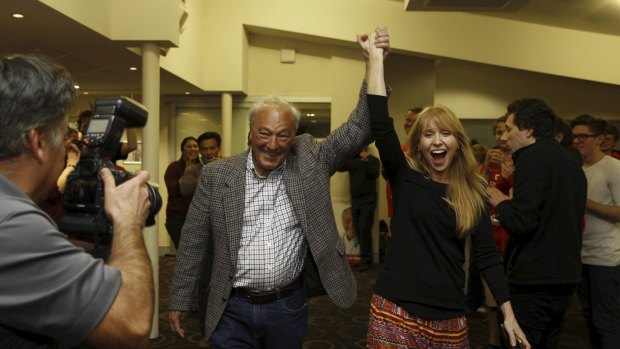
x: 363, y: 174
x: 545, y: 216
x: 423, y: 269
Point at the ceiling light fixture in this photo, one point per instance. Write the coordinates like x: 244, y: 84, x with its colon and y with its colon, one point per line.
x: 17, y: 15
x: 76, y: 86
x: 187, y: 92
x: 133, y: 68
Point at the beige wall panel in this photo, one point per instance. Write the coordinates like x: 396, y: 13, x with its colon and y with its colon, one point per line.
x: 308, y: 76
x: 346, y: 78
x: 412, y: 80
x: 475, y: 91
x: 135, y: 20
x: 188, y: 60
x: 454, y: 35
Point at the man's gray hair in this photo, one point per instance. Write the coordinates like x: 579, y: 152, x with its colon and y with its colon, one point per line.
x: 275, y: 102
x: 35, y: 93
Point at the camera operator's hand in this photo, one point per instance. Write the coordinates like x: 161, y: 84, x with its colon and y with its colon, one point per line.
x: 128, y: 203
x: 128, y: 322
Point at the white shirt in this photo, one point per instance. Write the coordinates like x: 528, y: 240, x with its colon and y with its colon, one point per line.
x: 273, y: 249
x: 601, y: 237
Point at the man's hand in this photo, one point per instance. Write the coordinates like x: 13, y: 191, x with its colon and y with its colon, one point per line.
x: 129, y: 202
x: 381, y: 40
x: 364, y: 154
x: 369, y: 49
x: 494, y: 156
x: 508, y: 168
x: 175, y: 317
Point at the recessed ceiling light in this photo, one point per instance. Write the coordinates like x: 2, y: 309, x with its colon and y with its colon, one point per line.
x: 76, y: 86
x: 85, y: 92
x: 133, y: 68
x: 17, y: 15
x: 187, y: 92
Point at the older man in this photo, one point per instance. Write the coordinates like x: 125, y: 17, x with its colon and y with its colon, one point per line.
x: 50, y: 290
x: 266, y: 210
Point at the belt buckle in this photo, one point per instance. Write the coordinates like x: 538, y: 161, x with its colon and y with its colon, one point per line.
x: 255, y: 297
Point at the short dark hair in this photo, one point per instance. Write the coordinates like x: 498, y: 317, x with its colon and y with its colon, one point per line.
x: 567, y: 133
x: 210, y: 135
x: 35, y: 93
x: 501, y: 119
x: 84, y: 114
x: 534, y: 114
x: 612, y: 130
x: 597, y: 126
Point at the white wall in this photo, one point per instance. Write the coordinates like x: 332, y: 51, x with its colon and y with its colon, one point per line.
x: 476, y: 91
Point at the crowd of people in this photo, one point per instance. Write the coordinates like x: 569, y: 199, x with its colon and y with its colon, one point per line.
x: 255, y: 235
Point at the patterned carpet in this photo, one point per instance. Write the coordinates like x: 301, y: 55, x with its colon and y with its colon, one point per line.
x: 332, y: 328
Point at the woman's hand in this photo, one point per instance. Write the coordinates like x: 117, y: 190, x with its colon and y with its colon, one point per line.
x: 377, y: 42
x: 73, y: 155
x: 513, y: 330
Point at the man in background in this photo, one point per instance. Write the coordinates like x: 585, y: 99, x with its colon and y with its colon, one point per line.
x: 609, y: 144
x: 52, y: 293
x: 363, y: 173
x: 209, y: 146
x: 599, y: 291
x: 410, y: 118
x: 544, y: 220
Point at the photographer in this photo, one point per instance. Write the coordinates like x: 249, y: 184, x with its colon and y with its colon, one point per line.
x: 51, y: 291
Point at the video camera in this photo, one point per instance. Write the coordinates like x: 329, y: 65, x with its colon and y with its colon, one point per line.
x: 84, y: 194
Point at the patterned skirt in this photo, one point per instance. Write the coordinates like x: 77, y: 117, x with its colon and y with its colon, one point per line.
x: 391, y: 327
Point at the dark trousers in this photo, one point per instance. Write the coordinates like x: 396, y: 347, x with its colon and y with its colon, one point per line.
x: 363, y: 210
x: 174, y: 225
x: 278, y: 325
x: 540, y: 313
x: 599, y: 295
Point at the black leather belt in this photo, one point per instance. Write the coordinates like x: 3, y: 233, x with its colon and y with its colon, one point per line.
x: 263, y: 297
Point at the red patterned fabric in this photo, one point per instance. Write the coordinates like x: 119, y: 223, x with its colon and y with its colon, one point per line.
x: 391, y: 327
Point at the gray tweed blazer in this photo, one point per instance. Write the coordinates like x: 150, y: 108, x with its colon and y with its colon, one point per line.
x: 217, y: 210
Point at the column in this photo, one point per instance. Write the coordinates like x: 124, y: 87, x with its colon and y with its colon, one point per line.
x: 150, y: 160
x: 226, y: 124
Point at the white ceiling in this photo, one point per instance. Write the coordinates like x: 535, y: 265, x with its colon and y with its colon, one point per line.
x: 101, y: 66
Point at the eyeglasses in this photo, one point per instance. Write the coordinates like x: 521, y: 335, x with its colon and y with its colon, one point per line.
x: 583, y: 136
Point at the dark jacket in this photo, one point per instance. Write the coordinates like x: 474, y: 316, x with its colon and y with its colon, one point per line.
x: 544, y: 217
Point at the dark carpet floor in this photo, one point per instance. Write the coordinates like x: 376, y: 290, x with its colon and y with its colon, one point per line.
x: 330, y: 327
